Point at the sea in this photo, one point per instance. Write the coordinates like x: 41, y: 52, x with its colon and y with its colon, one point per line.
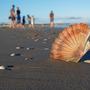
x: 59, y: 22
x: 63, y: 22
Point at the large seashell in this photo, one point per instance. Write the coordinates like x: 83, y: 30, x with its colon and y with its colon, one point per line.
x: 71, y: 44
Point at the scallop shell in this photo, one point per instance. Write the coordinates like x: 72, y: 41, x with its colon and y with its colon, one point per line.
x: 71, y: 44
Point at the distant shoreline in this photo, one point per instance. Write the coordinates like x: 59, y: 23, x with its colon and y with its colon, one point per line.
x: 57, y: 25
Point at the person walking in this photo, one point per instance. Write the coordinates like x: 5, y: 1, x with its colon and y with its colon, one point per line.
x: 29, y: 20
x: 12, y: 17
x: 51, y: 15
x: 18, y: 13
x: 32, y: 21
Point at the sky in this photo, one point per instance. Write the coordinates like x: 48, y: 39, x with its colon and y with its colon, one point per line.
x: 42, y: 8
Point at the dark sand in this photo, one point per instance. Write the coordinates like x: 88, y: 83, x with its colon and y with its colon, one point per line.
x: 37, y: 72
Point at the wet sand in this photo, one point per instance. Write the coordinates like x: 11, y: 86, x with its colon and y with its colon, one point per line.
x: 32, y: 68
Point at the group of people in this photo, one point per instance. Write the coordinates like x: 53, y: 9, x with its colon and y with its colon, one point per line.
x: 17, y: 20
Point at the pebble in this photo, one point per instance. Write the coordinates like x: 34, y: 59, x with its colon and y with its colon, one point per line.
x: 30, y: 48
x: 9, y: 67
x: 26, y: 58
x: 31, y: 58
x: 19, y: 47
x: 87, y: 61
x: 36, y: 40
x: 2, y: 67
x: 17, y: 54
x: 13, y: 54
x: 27, y: 48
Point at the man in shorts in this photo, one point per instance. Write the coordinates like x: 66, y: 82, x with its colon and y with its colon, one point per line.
x: 13, y: 16
x: 18, y: 12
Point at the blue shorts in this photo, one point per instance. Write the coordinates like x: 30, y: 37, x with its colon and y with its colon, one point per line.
x: 18, y: 19
x: 13, y: 18
x: 51, y: 20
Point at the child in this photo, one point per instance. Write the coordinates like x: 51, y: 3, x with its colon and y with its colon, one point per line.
x: 23, y: 21
x: 29, y: 20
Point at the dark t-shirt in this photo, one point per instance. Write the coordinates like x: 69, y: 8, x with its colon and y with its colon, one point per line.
x: 23, y: 21
x: 51, y: 15
x: 18, y: 12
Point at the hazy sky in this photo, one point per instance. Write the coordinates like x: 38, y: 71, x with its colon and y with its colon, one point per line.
x: 41, y: 8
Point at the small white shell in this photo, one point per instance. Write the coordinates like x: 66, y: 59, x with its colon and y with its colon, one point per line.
x: 27, y: 48
x: 13, y: 54
x: 2, y: 67
x: 17, y: 47
x: 87, y: 61
x: 26, y: 58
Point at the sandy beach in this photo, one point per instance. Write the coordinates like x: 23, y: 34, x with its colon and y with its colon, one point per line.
x: 26, y: 53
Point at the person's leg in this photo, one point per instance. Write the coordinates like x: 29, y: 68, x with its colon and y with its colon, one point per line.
x: 13, y: 22
x: 10, y: 24
x: 29, y: 24
x: 51, y: 22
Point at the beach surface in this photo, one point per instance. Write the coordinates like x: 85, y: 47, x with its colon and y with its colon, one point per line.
x: 25, y: 53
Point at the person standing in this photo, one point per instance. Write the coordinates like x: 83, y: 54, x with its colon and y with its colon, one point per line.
x: 51, y: 15
x: 32, y: 21
x: 29, y: 20
x: 23, y: 21
x: 12, y: 17
x: 18, y: 12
